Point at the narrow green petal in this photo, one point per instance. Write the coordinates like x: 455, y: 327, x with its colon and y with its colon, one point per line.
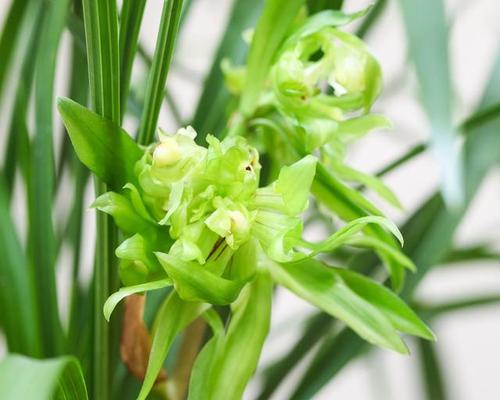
x: 116, y: 297
x: 324, y: 288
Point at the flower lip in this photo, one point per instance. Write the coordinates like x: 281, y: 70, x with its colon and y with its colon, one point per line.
x: 167, y: 152
x: 239, y: 223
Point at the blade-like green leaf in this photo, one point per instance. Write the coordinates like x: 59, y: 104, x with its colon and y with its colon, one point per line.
x: 480, y: 252
x: 477, y: 118
x: 427, y: 33
x: 372, y: 17
x: 240, y: 351
x: 314, y: 6
x: 17, y: 301
x: 384, y: 250
x: 17, y: 151
x: 431, y: 371
x: 324, y: 288
x: 214, y: 100
x: 344, y: 234
x: 41, y: 236
x: 78, y: 88
x: 369, y: 181
x: 103, y: 58
x: 346, y: 346
x: 103, y: 55
x: 315, y: 329
x: 273, y: 25
x: 409, y: 155
x: 401, y: 316
x: 203, y: 366
x: 101, y: 145
x: 130, y: 25
x: 161, y: 63
x: 246, y: 334
x: 173, y: 316
x: 430, y: 311
x: 81, y: 296
x: 27, y: 378
x: 8, y: 38
x: 172, y: 105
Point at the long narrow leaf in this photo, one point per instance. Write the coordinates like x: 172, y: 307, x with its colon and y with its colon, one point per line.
x: 314, y: 6
x: 436, y: 310
x: 81, y: 296
x: 245, y: 337
x: 314, y: 330
x: 17, y: 301
x: 346, y: 346
x: 173, y: 316
x: 324, y: 288
x: 427, y: 33
x: 477, y: 118
x: 17, y: 152
x: 214, y: 100
x: 236, y: 354
x: 8, y: 37
x: 130, y: 23
x: 203, y: 366
x: 41, y: 238
x: 161, y: 63
x: 430, y: 368
x: 270, y: 31
x: 345, y: 202
x: 402, y: 317
x: 103, y: 57
x: 101, y: 33
x: 372, y: 17
x: 27, y: 378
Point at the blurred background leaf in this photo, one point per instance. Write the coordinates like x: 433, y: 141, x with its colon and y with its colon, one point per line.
x: 26, y: 378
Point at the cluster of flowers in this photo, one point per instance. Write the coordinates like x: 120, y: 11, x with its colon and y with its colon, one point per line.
x: 203, y: 220
x: 323, y: 85
x: 200, y: 219
x: 194, y: 210
x: 198, y: 206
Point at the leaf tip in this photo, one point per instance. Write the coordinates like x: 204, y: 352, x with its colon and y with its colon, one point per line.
x: 107, y: 309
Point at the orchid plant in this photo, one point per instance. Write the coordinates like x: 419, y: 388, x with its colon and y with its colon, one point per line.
x: 200, y: 224
x: 202, y: 219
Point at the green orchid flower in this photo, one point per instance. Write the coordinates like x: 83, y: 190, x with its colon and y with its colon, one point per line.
x: 323, y: 78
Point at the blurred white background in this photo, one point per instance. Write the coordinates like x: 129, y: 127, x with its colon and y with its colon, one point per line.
x: 468, y: 342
